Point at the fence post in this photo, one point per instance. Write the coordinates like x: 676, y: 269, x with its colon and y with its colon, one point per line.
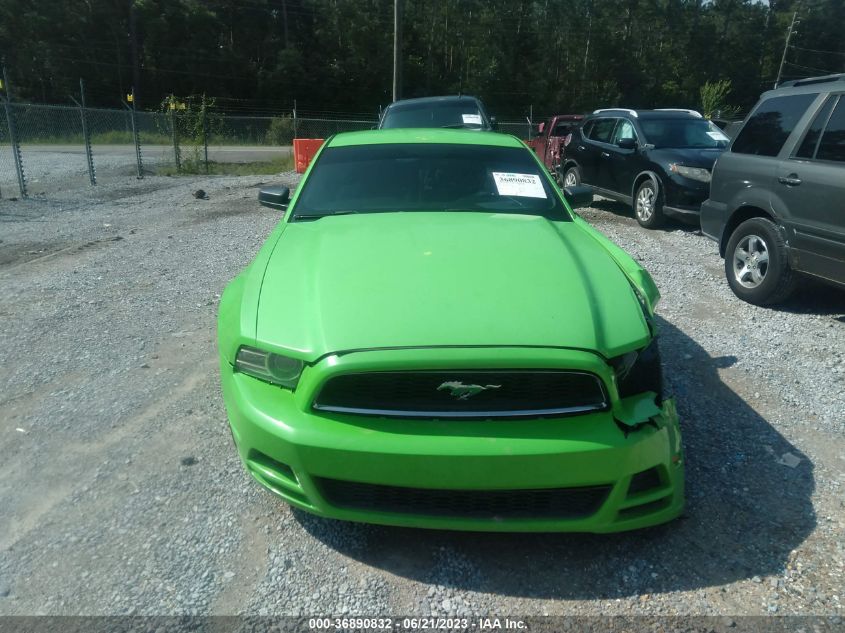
x: 173, y: 134
x: 294, y: 119
x: 204, y: 133
x: 89, y: 155
x: 13, y: 137
x: 531, y: 120
x: 135, y: 136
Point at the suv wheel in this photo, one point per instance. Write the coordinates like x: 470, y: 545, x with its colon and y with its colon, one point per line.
x: 572, y: 177
x: 756, y: 263
x: 648, y: 206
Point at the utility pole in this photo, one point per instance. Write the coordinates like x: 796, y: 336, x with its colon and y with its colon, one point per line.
x: 789, y: 35
x: 397, y: 49
x: 133, y: 48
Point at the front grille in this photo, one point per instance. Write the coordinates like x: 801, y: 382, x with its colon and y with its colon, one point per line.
x: 545, y: 503
x: 463, y: 394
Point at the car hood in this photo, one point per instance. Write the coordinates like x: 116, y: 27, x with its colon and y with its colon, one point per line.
x: 691, y: 157
x: 382, y: 280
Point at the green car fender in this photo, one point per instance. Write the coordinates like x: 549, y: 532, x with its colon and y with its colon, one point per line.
x: 640, y: 279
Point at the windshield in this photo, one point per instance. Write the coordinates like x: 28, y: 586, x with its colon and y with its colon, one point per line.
x: 434, y: 114
x: 427, y: 177
x: 683, y: 133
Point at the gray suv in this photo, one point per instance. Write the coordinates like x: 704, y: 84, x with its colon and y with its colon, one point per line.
x: 777, y: 197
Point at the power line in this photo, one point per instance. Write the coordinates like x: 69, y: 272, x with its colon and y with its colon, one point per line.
x: 813, y: 50
x: 820, y: 70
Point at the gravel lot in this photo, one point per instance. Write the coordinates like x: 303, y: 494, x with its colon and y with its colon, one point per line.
x: 122, y: 493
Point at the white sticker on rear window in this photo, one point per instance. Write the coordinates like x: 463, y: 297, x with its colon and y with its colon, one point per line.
x: 523, y: 185
x: 717, y: 136
x: 472, y: 118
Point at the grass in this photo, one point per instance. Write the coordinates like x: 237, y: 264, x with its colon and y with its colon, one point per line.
x: 255, y: 168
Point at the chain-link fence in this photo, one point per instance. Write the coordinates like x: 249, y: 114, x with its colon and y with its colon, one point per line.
x: 49, y: 148
x: 519, y: 130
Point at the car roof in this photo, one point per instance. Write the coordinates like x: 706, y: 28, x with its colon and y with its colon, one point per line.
x: 423, y: 135
x: 826, y: 83
x: 440, y: 99
x: 668, y: 113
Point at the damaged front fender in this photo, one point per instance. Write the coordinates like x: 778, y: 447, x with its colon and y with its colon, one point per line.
x: 634, y: 413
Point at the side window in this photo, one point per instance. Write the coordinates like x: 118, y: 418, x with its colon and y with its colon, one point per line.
x: 811, y: 139
x: 587, y: 129
x: 562, y: 129
x: 602, y: 130
x: 832, y: 145
x: 771, y: 124
x: 624, y: 130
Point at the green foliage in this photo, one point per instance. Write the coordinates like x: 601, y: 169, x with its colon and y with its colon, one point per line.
x: 255, y: 168
x: 280, y: 131
x: 336, y: 55
x: 714, y: 100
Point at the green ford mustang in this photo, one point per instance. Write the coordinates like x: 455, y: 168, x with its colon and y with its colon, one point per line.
x: 432, y: 338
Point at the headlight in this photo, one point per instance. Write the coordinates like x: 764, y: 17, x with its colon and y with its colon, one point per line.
x: 695, y: 173
x: 279, y: 370
x: 638, y: 372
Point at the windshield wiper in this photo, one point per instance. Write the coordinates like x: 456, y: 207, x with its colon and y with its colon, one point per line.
x: 317, y: 216
x: 457, y: 126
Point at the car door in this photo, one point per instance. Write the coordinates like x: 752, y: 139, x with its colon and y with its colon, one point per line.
x: 595, y: 169
x: 747, y: 172
x: 623, y: 164
x: 547, y: 146
x: 811, y: 192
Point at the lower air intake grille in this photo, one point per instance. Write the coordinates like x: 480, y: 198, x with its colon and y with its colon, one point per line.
x: 463, y: 394
x: 550, y: 503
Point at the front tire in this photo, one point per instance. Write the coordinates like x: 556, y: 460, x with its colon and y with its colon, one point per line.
x: 572, y: 177
x: 648, y: 205
x: 757, y: 264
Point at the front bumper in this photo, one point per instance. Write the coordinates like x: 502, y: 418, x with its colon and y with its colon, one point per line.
x: 312, y: 460
x: 683, y: 196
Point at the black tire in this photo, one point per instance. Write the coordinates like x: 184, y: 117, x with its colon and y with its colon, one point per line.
x: 773, y: 280
x: 572, y: 172
x: 648, y: 205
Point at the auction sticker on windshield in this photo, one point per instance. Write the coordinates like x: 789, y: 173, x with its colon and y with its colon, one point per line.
x: 474, y: 119
x: 524, y: 185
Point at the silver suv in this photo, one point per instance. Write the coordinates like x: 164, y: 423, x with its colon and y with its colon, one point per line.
x: 777, y: 197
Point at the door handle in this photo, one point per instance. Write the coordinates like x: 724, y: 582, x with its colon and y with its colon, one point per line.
x: 792, y: 180
x: 605, y: 155
x: 581, y: 148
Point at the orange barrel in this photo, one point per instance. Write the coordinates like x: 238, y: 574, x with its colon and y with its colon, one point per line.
x: 304, y: 150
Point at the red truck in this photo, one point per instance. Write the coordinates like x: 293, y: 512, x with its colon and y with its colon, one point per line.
x: 552, y: 137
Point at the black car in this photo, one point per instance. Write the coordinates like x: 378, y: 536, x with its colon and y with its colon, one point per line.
x: 458, y: 111
x: 777, y: 200
x: 659, y: 161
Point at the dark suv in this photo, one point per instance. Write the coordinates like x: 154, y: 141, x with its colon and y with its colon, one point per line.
x: 658, y: 161
x: 458, y: 111
x: 777, y: 199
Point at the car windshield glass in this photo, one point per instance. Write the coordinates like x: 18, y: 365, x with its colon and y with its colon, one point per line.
x: 434, y: 114
x: 681, y: 133
x: 427, y: 177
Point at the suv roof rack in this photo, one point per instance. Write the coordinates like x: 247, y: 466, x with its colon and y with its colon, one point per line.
x: 633, y: 113
x: 693, y: 112
x: 794, y: 83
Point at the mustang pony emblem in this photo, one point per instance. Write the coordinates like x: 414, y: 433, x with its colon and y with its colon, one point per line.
x: 465, y: 392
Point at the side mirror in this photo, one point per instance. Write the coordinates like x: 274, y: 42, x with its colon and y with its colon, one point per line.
x: 276, y: 197
x: 541, y: 127
x: 578, y: 196
x: 627, y: 143
x: 494, y: 124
